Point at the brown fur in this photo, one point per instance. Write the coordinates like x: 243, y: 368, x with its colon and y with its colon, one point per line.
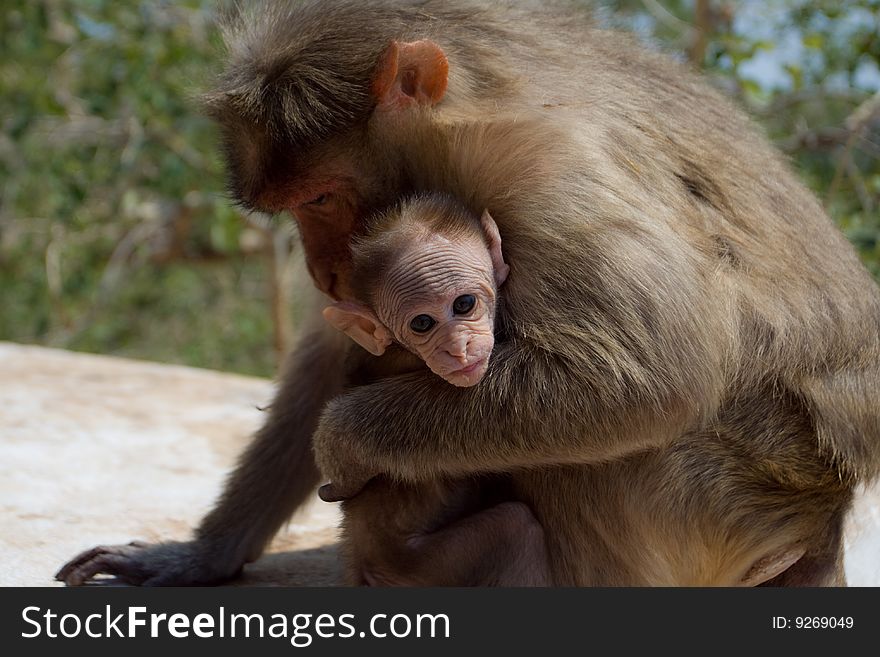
x: 687, y: 381
x: 442, y: 533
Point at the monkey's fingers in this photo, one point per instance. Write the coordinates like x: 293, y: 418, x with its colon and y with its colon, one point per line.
x: 77, y: 561
x: 88, y: 555
x: 85, y: 557
x: 334, y: 492
x: 117, y: 560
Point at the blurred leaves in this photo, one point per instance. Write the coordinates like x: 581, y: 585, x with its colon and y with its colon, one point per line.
x: 115, y: 233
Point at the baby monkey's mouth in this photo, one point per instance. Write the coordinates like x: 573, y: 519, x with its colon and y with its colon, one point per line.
x: 470, y: 368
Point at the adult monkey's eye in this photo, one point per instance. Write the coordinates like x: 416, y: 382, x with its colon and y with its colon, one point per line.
x: 464, y: 304
x: 319, y: 200
x: 422, y: 323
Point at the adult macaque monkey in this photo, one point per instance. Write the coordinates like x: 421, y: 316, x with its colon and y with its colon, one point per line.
x: 427, y: 277
x: 686, y: 391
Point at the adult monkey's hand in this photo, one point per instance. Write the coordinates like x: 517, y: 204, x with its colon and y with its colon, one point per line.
x: 142, y: 564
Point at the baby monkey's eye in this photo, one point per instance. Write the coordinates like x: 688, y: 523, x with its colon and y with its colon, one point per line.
x: 464, y: 304
x: 319, y: 200
x: 422, y: 323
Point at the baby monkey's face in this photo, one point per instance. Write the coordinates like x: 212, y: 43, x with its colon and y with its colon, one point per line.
x: 439, y: 302
x: 437, y: 299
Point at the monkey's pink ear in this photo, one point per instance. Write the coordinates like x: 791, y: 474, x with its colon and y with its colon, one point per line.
x: 360, y: 324
x: 410, y: 73
x: 490, y: 230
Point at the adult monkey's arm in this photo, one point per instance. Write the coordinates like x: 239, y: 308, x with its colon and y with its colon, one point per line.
x: 529, y: 410
x: 597, y: 365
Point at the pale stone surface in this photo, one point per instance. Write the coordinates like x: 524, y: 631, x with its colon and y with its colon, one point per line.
x: 104, y: 450
x: 98, y: 450
x: 863, y: 540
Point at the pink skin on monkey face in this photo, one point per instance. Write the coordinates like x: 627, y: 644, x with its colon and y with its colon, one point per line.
x: 439, y: 302
x: 454, y: 335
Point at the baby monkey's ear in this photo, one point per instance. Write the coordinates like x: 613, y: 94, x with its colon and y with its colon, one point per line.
x: 493, y: 237
x: 360, y: 324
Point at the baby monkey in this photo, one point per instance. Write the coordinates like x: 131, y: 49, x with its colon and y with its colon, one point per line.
x: 427, y: 276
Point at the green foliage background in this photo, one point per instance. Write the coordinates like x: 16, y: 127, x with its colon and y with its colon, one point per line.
x: 116, y: 235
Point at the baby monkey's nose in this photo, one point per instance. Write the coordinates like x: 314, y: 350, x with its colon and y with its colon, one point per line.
x: 457, y: 348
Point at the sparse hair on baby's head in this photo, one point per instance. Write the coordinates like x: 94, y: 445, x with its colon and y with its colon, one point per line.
x: 390, y: 233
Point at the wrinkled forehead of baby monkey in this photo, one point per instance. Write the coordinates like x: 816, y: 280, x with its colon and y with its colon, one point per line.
x: 430, y: 273
x: 425, y: 253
